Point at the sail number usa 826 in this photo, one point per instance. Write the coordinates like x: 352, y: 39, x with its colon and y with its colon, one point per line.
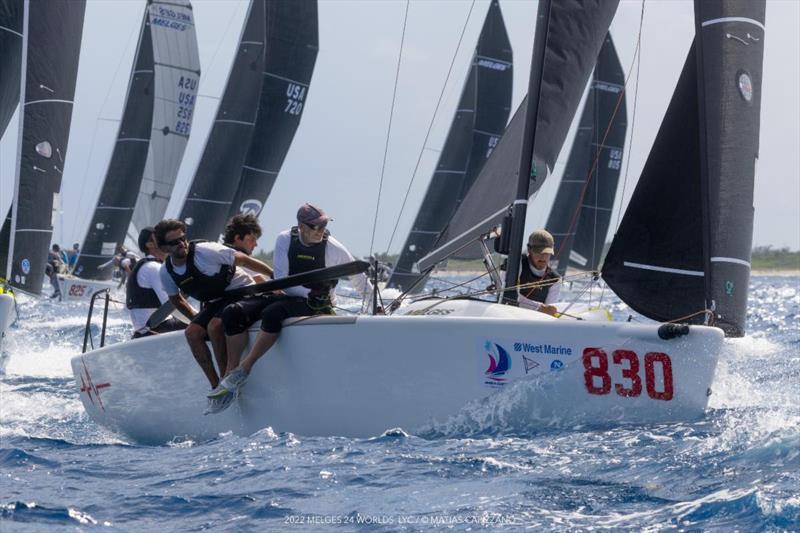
x: 597, y: 375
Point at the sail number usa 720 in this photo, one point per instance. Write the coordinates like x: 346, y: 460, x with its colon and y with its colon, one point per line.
x: 623, y: 367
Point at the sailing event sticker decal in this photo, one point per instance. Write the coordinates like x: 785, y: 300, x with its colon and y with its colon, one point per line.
x: 502, y: 360
x: 26, y: 266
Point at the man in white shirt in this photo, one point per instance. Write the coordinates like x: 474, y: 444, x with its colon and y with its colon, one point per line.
x: 305, y: 247
x: 204, y: 271
x: 143, y: 291
x: 541, y: 286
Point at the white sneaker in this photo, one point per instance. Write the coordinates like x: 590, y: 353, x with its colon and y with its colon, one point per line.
x: 219, y: 404
x: 234, y: 381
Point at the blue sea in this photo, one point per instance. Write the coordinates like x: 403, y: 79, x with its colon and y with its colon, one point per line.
x: 738, y: 468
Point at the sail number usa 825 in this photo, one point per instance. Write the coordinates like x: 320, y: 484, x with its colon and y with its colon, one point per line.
x: 597, y: 374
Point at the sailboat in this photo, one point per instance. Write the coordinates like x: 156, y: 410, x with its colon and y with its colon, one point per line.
x: 359, y: 375
x: 581, y: 212
x: 175, y: 81
x: 50, y: 52
x: 243, y: 154
x: 478, y: 124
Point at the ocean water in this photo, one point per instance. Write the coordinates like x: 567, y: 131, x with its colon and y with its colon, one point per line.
x: 738, y: 468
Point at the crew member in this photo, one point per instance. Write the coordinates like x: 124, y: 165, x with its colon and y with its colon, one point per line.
x: 305, y: 247
x: 144, y: 292
x: 52, y: 268
x: 204, y: 271
x: 545, y: 284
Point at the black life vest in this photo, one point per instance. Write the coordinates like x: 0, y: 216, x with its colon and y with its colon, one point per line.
x: 136, y: 296
x: 198, y: 285
x: 537, y: 293
x: 302, y: 257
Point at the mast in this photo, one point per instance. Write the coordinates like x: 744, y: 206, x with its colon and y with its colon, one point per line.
x: 525, y: 175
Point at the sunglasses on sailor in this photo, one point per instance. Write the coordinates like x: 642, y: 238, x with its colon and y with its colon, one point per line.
x: 176, y: 242
x: 315, y: 227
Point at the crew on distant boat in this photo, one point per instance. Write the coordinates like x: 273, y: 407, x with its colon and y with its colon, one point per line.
x: 204, y: 271
x: 53, y: 268
x: 71, y: 256
x: 305, y: 247
x: 144, y: 292
x: 535, y: 269
x: 241, y: 233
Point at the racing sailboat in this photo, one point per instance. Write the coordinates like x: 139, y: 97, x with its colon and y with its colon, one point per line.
x: 168, y: 85
x: 359, y: 375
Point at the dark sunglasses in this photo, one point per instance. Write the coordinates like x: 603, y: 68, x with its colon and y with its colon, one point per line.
x: 315, y: 227
x: 175, y: 242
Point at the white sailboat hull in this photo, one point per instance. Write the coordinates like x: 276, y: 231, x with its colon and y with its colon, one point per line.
x: 78, y: 289
x: 358, y: 376
x: 8, y: 313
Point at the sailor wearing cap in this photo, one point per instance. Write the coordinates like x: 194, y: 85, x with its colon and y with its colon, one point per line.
x: 541, y: 284
x: 143, y: 290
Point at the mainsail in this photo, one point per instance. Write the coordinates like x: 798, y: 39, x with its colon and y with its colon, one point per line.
x: 118, y: 196
x: 577, y: 30
x: 50, y: 51
x: 581, y: 212
x: 684, y: 243
x: 478, y: 124
x: 10, y: 68
x: 177, y: 75
x: 217, y: 176
x: 291, y: 52
x: 10, y: 58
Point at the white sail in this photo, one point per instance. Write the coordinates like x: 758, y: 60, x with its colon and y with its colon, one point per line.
x: 177, y: 77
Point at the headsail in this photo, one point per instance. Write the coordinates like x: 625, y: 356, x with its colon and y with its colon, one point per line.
x: 50, y: 53
x: 177, y: 76
x: 217, y: 176
x: 685, y: 241
x: 581, y: 212
x: 291, y: 51
x: 479, y: 122
x: 576, y: 33
x: 124, y: 175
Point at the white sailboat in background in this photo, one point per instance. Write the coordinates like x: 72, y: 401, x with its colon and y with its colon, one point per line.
x: 359, y: 375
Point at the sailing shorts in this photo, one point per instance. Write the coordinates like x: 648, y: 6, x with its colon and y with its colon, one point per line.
x: 274, y: 314
x: 212, y: 309
x: 237, y: 317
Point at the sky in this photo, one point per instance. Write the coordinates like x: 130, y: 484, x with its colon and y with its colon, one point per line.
x: 337, y: 157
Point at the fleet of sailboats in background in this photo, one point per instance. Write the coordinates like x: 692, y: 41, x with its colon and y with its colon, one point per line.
x: 265, y: 92
x: 479, y: 122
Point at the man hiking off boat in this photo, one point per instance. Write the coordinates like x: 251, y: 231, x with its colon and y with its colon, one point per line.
x: 204, y: 271
x: 540, y: 285
x: 305, y: 247
x: 144, y: 292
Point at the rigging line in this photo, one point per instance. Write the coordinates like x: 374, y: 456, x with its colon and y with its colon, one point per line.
x: 638, y: 57
x: 430, y: 127
x: 593, y: 169
x: 389, y: 129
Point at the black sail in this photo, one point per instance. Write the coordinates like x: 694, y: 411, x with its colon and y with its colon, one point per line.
x: 10, y: 67
x: 581, y: 212
x: 479, y: 123
x: 217, y: 176
x: 291, y: 52
x: 576, y: 33
x: 51, y: 50
x: 685, y: 240
x: 10, y: 58
x: 117, y: 199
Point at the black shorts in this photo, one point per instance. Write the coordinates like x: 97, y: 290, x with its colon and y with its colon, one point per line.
x: 212, y: 309
x: 238, y: 316
x: 275, y: 313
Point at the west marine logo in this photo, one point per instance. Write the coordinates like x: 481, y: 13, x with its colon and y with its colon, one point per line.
x: 499, y: 362
x: 250, y: 207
